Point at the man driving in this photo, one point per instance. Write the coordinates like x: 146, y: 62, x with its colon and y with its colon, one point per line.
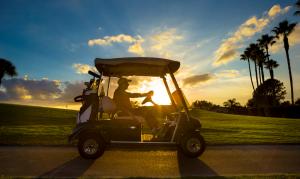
x: 121, y: 98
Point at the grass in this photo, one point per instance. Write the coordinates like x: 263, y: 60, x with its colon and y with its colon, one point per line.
x: 280, y: 176
x: 41, y: 126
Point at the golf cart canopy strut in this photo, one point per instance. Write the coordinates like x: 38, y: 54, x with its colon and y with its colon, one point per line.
x: 136, y: 66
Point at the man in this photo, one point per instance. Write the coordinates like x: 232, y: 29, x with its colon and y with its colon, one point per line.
x: 121, y: 98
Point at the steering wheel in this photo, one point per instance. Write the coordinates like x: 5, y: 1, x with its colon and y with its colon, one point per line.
x: 149, y: 99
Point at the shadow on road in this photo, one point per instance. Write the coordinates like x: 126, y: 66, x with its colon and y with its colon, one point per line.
x: 193, y: 167
x: 68, y: 169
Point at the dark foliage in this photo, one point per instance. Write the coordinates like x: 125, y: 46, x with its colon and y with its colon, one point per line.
x: 280, y: 93
x: 204, y: 105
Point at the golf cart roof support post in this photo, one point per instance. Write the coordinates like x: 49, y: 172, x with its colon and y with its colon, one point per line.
x: 108, y: 85
x: 169, y: 93
x: 179, y: 94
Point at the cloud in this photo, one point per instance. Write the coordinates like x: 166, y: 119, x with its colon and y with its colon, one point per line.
x: 135, y: 48
x: 227, y: 73
x: 25, y: 76
x: 73, y: 47
x: 276, y: 10
x: 197, y: 79
x: 71, y: 91
x: 40, y: 92
x: 228, y: 50
x: 24, y: 89
x: 294, y: 38
x: 107, y: 40
x: 99, y: 28
x: 82, y: 69
x: 164, y: 38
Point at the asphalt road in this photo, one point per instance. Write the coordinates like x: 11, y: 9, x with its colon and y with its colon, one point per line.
x: 149, y: 162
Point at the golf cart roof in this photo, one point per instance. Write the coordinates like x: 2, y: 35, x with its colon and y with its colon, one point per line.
x: 135, y: 66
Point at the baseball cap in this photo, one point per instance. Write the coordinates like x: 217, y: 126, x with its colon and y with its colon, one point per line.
x: 122, y: 80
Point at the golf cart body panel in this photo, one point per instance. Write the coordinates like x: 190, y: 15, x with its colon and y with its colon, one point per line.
x: 110, y: 130
x: 135, y: 66
x: 94, y: 134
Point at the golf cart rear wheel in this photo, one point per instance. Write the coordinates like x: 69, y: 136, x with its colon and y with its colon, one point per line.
x: 192, y: 145
x: 91, y: 146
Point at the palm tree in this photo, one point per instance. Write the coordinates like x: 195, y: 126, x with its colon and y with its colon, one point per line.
x: 253, y: 48
x: 297, y: 4
x: 285, y: 29
x: 231, y: 103
x: 272, y: 64
x: 7, y: 68
x: 264, y: 41
x: 246, y: 56
x: 261, y: 57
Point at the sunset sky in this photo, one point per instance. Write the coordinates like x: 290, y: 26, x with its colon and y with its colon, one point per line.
x: 54, y: 43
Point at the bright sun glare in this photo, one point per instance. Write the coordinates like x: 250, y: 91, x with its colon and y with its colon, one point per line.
x: 160, y: 96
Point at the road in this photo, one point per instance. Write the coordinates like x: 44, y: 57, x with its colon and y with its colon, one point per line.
x: 149, y: 162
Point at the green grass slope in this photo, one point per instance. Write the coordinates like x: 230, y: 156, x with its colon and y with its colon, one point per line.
x: 226, y: 129
x: 41, y: 126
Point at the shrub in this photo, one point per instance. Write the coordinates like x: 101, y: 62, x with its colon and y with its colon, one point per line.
x: 261, y: 112
x: 253, y: 112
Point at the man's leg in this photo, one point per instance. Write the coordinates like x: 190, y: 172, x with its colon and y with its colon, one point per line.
x: 147, y: 114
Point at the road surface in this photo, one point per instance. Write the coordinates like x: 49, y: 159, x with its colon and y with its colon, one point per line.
x: 149, y: 162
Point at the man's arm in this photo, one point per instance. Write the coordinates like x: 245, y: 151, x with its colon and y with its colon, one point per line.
x: 139, y: 95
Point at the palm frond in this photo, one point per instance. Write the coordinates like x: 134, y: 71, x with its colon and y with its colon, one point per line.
x: 296, y: 13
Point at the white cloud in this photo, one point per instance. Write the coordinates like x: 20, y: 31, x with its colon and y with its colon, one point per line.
x: 276, y: 10
x: 99, y: 28
x: 82, y: 69
x: 135, y: 48
x: 227, y: 73
x: 228, y: 50
x: 164, y: 38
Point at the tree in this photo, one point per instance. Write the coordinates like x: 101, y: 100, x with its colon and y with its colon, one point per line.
x: 261, y: 58
x: 270, y: 66
x: 264, y: 41
x: 7, y: 68
x: 253, y: 48
x: 204, y: 105
x: 246, y: 56
x: 231, y: 103
x: 297, y: 4
x: 297, y: 102
x: 280, y: 92
x: 285, y: 29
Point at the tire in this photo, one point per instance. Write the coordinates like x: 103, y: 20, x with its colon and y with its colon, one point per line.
x: 192, y: 145
x: 91, y: 146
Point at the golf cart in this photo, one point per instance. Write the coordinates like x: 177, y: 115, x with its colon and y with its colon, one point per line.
x: 95, y: 134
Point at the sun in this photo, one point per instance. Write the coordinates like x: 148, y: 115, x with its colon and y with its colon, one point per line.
x: 160, y: 96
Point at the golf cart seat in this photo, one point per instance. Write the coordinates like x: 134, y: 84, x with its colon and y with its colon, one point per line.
x: 110, y: 107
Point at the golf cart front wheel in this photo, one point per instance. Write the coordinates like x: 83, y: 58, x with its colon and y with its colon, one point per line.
x: 91, y: 146
x: 192, y: 145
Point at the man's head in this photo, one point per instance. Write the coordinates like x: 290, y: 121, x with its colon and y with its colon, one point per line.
x: 123, y: 83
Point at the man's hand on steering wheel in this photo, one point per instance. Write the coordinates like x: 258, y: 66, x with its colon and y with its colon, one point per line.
x: 148, y: 98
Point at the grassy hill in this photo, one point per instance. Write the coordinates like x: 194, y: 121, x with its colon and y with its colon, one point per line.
x: 31, y: 125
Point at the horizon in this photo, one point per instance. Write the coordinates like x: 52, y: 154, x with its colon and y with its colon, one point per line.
x: 53, y: 44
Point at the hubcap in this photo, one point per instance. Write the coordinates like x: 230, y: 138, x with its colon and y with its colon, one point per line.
x: 193, y: 145
x: 90, y: 146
